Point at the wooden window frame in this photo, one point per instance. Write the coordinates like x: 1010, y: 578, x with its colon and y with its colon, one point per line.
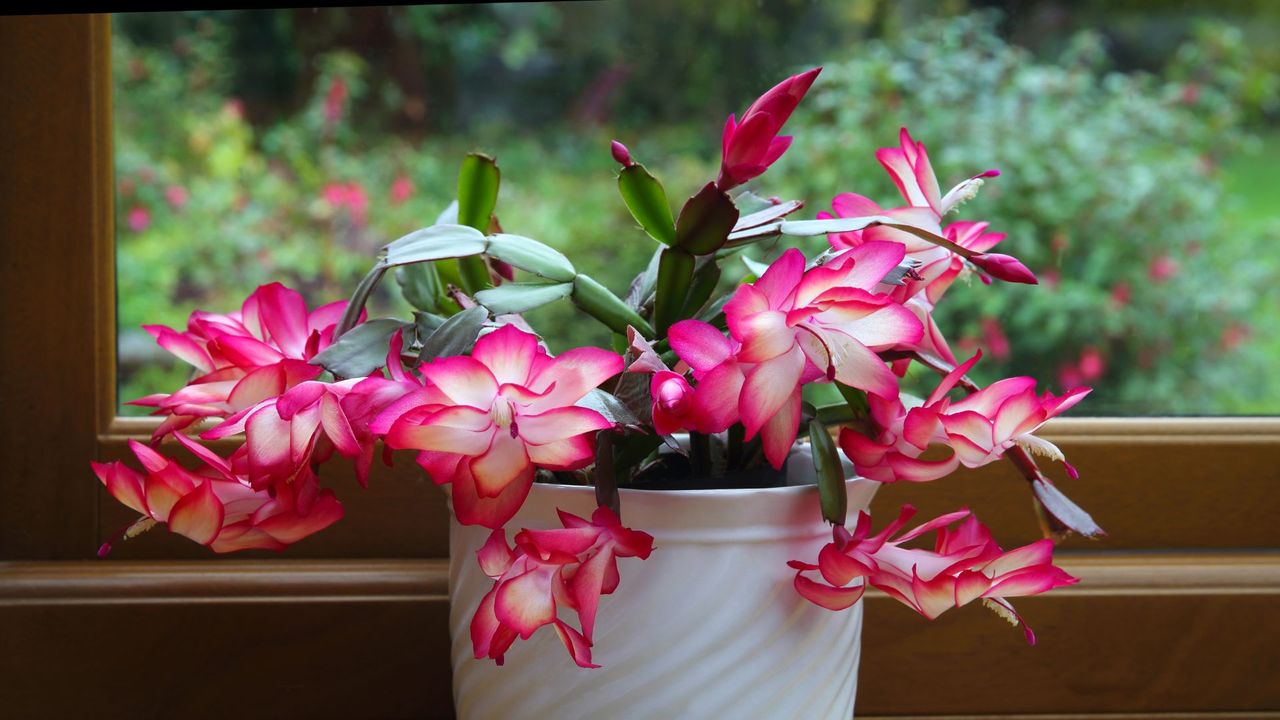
x: 1190, y: 504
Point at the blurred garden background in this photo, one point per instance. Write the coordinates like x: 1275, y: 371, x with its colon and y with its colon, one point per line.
x: 1138, y: 142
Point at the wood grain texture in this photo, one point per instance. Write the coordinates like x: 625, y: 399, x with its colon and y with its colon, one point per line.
x: 1146, y: 493
x: 55, y: 218
x: 1143, y: 635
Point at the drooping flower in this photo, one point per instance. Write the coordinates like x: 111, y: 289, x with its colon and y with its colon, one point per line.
x: 749, y: 147
x: 979, y: 428
x: 287, y: 434
x: 796, y: 326
x: 903, y: 435
x: 965, y: 565
x: 570, y: 567
x: 982, y: 426
x: 503, y: 412
x: 215, y: 505
x: 243, y: 357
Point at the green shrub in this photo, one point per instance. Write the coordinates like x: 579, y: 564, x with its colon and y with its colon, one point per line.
x: 1110, y: 192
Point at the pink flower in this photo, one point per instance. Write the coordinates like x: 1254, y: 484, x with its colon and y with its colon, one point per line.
x: 903, y: 435
x: 675, y: 404
x: 1091, y: 364
x: 215, y: 505
x: 1162, y: 268
x: 1120, y: 294
x: 350, y: 197
x: 1233, y: 336
x: 965, y: 565
x: 288, y: 434
x: 983, y: 425
x: 301, y: 428
x: 504, y: 411
x: 335, y: 100
x: 796, y: 326
x: 139, y: 218
x: 242, y: 357
x: 401, y: 189
x: 176, y: 196
x: 909, y: 167
x: 750, y: 147
x: 572, y: 567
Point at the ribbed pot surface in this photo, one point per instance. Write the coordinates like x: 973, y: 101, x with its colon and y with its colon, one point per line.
x: 708, y: 627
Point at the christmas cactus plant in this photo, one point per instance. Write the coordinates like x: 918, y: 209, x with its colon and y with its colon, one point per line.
x: 718, y: 372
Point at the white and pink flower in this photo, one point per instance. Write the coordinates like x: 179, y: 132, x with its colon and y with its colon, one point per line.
x: 503, y: 412
x: 570, y: 567
x: 965, y: 565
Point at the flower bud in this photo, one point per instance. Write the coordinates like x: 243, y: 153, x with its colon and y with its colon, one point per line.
x: 621, y: 154
x: 1004, y: 267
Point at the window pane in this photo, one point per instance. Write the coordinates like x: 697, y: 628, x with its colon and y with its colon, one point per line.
x: 1136, y: 144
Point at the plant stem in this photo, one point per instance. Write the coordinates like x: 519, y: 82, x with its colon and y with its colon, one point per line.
x: 700, y: 454
x: 734, y: 453
x: 358, y: 299
x: 606, y: 480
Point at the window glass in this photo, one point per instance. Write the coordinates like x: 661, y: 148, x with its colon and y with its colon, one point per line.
x: 1137, y: 144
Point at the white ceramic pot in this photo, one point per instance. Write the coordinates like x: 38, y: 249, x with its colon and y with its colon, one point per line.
x: 708, y: 627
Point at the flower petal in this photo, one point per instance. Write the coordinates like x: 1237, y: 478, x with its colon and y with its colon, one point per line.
x: 198, y: 515
x: 508, y: 352
x: 826, y: 596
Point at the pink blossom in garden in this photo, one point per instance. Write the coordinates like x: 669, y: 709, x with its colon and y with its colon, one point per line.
x: 234, y: 108
x: 1120, y: 294
x: 1162, y: 268
x: 350, y: 197
x: 1091, y: 364
x: 216, y: 506
x: 401, y: 189
x: 176, y: 196
x: 335, y: 100
x: 505, y: 411
x: 549, y: 569
x: 138, y: 219
x: 244, y: 357
x: 1233, y: 336
x: 749, y: 147
x: 965, y: 565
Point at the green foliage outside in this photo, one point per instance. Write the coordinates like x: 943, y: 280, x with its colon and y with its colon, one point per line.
x: 1112, y: 193
x: 1113, y: 182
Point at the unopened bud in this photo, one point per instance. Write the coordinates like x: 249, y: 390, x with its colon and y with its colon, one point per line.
x: 621, y: 154
x: 1004, y: 267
